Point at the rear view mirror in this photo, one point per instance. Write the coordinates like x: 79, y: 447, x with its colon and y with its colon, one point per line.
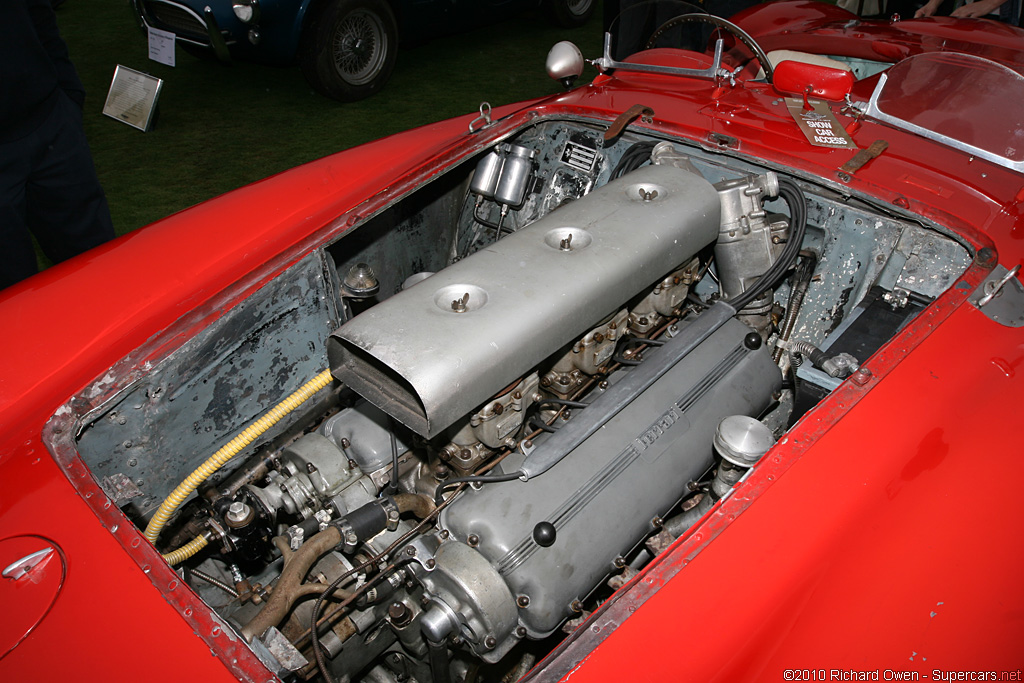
x: 565, y: 63
x: 812, y: 80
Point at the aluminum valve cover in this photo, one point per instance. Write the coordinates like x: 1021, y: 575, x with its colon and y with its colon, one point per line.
x: 601, y: 498
x: 433, y: 353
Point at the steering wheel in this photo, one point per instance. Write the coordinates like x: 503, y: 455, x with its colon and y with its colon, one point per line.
x: 719, y: 22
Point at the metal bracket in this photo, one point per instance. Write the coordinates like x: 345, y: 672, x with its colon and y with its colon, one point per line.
x: 992, y: 288
x: 1001, y: 297
x: 484, y: 118
x: 723, y: 141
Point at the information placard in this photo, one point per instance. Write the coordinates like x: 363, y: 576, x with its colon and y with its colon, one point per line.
x: 161, y: 46
x: 132, y: 97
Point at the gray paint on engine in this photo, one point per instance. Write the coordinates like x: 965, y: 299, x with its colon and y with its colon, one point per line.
x: 602, y: 496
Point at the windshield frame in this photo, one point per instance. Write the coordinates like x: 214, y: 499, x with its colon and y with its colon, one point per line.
x: 606, y: 63
x: 873, y: 111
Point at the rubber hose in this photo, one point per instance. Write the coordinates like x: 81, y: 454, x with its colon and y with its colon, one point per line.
x: 186, y: 551
x: 233, y: 447
x: 816, y: 355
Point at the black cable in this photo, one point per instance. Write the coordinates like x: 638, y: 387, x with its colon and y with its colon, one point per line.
x: 794, y: 197
x: 635, y: 156
x: 487, y: 223
x: 477, y: 479
x: 692, y: 297
x: 392, y: 487
x: 537, y: 423
x: 618, y: 358
x: 640, y: 341
x: 562, y: 402
x: 318, y: 650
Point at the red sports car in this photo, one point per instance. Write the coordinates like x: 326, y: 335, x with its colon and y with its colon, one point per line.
x: 703, y: 370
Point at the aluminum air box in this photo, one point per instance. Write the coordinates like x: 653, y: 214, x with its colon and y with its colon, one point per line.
x: 433, y: 353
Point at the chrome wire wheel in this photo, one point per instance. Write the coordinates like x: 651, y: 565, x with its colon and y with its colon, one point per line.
x: 569, y: 13
x: 578, y: 7
x: 360, y: 47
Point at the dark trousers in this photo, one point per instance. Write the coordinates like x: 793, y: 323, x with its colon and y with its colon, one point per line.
x: 48, y: 186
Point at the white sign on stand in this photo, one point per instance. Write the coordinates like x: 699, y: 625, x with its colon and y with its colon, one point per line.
x: 161, y: 46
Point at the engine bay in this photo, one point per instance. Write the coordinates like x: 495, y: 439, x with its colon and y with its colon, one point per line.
x: 530, y: 376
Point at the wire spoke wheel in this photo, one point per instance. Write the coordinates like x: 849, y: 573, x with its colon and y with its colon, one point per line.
x: 359, y: 47
x: 578, y: 7
x: 570, y: 13
x: 350, y: 48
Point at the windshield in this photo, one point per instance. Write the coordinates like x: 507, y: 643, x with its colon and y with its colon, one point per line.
x: 964, y: 101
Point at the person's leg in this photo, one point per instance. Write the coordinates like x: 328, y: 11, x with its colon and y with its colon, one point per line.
x: 67, y: 210
x: 17, y: 255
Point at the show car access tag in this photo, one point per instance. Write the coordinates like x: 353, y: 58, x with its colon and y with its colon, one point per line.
x: 819, y: 124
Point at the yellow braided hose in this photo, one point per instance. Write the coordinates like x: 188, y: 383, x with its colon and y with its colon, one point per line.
x: 230, y: 450
x: 186, y: 551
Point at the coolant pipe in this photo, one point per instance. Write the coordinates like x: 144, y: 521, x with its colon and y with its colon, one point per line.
x: 677, y: 526
x: 287, y: 589
x: 357, y: 526
x: 419, y: 505
x: 609, y: 404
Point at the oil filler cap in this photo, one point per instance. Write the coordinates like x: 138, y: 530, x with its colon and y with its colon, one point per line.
x: 742, y: 440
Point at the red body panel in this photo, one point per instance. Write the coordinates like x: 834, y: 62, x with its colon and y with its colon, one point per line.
x: 889, y: 538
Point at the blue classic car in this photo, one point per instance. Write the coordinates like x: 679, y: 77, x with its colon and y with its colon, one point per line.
x: 346, y: 48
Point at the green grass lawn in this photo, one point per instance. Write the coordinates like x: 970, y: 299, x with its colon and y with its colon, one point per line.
x: 223, y: 126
